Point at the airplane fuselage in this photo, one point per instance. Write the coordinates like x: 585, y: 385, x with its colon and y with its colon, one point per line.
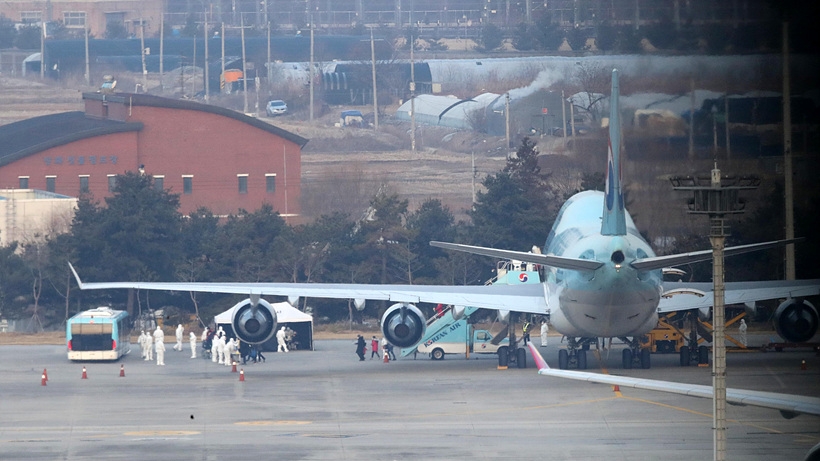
x: 614, y: 300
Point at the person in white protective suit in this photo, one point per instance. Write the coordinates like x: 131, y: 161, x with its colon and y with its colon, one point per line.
x: 149, y: 347
x: 141, y: 342
x: 159, y: 335
x: 742, y: 331
x: 544, y: 333
x: 192, y: 340
x: 214, y: 348
x: 179, y: 332
x: 229, y: 348
x: 280, y: 339
x: 160, y: 345
x: 220, y: 350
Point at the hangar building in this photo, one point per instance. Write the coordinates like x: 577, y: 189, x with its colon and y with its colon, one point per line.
x: 213, y: 157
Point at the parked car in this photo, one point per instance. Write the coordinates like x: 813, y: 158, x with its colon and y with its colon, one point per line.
x: 276, y: 107
x: 351, y: 118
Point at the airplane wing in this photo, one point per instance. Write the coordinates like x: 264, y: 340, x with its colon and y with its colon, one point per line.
x: 788, y: 404
x: 660, y: 262
x: 680, y: 296
x: 545, y: 260
x: 525, y: 298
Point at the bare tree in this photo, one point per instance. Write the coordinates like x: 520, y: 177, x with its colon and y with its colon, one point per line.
x: 593, y: 78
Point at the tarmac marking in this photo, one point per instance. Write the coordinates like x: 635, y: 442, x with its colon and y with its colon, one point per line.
x: 159, y: 433
x: 273, y: 423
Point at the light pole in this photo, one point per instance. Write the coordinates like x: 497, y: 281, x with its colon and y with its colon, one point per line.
x: 717, y: 197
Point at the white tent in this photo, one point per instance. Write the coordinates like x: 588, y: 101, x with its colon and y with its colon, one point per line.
x: 286, y: 315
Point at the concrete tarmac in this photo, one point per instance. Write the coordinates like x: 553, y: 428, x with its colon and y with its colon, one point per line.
x: 327, y: 405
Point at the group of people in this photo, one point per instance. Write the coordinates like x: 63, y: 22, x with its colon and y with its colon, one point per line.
x: 226, y: 351
x: 151, y: 343
x: 361, y: 348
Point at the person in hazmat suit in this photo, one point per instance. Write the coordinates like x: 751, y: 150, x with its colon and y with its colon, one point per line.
x: 214, y: 348
x: 149, y: 347
x: 229, y: 349
x: 160, y: 345
x: 179, y: 332
x: 141, y: 342
x: 192, y: 340
x: 742, y: 331
x: 544, y: 333
x: 280, y: 339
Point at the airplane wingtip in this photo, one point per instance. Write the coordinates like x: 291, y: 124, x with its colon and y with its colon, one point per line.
x: 536, y: 357
x: 76, y: 275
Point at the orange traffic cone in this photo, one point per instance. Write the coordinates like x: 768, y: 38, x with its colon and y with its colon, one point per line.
x: 241, y: 375
x: 45, y: 375
x: 386, y: 357
x: 616, y: 388
x: 803, y: 365
x: 122, y: 371
x: 43, y: 380
x: 85, y: 375
x: 233, y: 367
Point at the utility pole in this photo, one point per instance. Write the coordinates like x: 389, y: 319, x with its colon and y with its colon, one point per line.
x: 563, y: 116
x: 692, y: 119
x: 222, y: 81
x: 142, y: 54
x: 375, y: 91
x: 205, y: 65
x: 717, y: 197
x: 43, y: 48
x: 268, y: 63
x: 787, y: 155
x: 472, y: 154
x: 244, y: 66
x: 507, y: 121
x: 412, y: 92
x: 161, y: 45
x: 87, y: 63
x: 310, y: 70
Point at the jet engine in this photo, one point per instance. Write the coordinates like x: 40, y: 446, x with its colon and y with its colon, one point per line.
x: 796, y: 320
x: 254, y: 323
x: 403, y: 325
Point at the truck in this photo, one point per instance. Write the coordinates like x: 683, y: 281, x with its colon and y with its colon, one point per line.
x: 458, y: 338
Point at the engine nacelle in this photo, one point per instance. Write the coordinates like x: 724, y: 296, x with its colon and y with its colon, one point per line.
x: 403, y: 325
x: 796, y: 320
x: 254, y: 324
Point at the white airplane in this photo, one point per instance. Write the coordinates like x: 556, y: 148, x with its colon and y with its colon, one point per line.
x: 601, y: 279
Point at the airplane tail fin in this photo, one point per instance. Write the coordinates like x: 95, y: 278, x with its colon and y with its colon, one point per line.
x: 614, y: 217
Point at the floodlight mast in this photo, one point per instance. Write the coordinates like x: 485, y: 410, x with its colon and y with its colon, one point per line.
x: 717, y: 197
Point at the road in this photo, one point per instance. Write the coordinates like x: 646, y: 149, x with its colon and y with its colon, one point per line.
x: 326, y: 405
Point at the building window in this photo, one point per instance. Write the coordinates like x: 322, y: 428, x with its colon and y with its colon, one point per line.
x: 243, y: 183
x: 112, y: 182
x: 74, y: 19
x: 31, y: 17
x: 270, y: 183
x: 51, y: 183
x: 23, y: 182
x: 159, y: 182
x: 83, y: 184
x: 187, y: 185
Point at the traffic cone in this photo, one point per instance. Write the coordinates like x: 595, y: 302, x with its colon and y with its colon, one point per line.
x: 241, y: 375
x: 803, y: 365
x: 233, y: 368
x: 85, y: 375
x: 616, y: 388
x: 45, y: 375
x: 43, y: 379
x: 122, y: 371
x: 386, y: 357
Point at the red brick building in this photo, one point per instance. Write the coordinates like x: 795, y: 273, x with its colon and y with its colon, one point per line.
x: 211, y: 156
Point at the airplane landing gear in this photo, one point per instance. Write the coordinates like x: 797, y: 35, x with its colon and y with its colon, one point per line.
x: 635, y: 355
x: 575, y: 354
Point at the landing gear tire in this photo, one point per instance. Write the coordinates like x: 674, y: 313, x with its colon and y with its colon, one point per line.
x: 627, y: 359
x: 703, y: 355
x: 503, y: 356
x: 645, y: 359
x: 684, y: 356
x: 563, y: 359
x: 521, y: 357
x: 582, y: 359
x: 437, y: 354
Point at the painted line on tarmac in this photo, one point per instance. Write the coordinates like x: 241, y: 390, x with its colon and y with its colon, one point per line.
x: 283, y: 422
x: 159, y: 433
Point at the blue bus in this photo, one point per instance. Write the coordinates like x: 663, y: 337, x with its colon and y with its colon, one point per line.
x: 98, y: 334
